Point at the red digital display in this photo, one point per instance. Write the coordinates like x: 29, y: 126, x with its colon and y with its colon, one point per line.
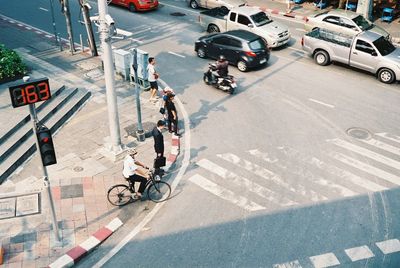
x: 30, y: 92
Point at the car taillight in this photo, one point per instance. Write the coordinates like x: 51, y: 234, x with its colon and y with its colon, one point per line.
x: 250, y: 53
x: 302, y: 41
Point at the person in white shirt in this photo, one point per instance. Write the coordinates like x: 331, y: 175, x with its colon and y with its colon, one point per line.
x: 133, y: 173
x: 152, y: 78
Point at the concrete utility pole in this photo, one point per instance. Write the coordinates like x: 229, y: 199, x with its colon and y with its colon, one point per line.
x: 106, y: 23
x: 364, y: 7
x: 85, y: 7
x: 65, y: 5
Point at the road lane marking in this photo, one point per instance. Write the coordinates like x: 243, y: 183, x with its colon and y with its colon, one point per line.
x: 136, y: 40
x: 123, y: 32
x: 389, y: 246
x: 384, y: 146
x: 359, y: 253
x: 185, y: 163
x: 176, y: 54
x: 389, y: 137
x: 225, y: 194
x: 268, y: 175
x: 365, y: 152
x: 346, y: 175
x: 301, y: 29
x: 41, y: 8
x: 245, y: 183
x: 367, y: 168
x: 322, y: 103
x: 263, y: 156
x: 324, y: 260
x: 181, y: 8
x: 291, y: 264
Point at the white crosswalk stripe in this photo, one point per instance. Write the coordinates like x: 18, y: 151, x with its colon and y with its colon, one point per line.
x: 365, y: 152
x: 389, y: 137
x: 367, y: 168
x: 245, y: 183
x: 383, y: 146
x: 225, y: 194
x: 270, y: 176
x: 291, y: 264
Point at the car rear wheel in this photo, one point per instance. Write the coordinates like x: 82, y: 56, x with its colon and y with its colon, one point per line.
x: 193, y: 4
x: 321, y: 57
x: 386, y: 76
x: 201, y: 53
x: 212, y: 28
x: 242, y: 66
x: 132, y: 7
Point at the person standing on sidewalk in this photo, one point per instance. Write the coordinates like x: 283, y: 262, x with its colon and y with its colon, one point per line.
x: 172, y: 114
x: 158, y: 138
x: 152, y: 78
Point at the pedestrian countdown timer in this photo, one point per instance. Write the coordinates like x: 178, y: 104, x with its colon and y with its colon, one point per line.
x: 30, y: 92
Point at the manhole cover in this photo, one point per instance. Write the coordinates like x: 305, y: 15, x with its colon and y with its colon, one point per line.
x: 178, y: 14
x: 78, y: 169
x: 359, y: 133
x: 93, y: 74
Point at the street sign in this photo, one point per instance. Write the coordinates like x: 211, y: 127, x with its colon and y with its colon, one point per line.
x: 30, y: 92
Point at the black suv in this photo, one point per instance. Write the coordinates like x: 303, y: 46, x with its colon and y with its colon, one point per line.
x: 241, y: 48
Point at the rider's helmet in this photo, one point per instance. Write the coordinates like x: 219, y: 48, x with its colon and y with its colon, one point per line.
x: 221, y: 58
x: 132, y: 152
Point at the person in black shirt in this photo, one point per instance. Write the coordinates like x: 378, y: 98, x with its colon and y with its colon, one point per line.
x: 158, y: 138
x: 172, y: 114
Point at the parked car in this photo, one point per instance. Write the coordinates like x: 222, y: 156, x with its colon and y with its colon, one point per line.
x: 216, y: 3
x: 137, y: 5
x: 342, y: 21
x: 241, y: 48
x: 368, y: 51
x: 245, y: 18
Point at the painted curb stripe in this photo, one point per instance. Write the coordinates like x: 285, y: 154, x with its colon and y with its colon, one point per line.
x: 172, y: 158
x: 114, y: 224
x: 102, y: 234
x: 76, y: 252
x: 90, y: 243
x: 63, y: 261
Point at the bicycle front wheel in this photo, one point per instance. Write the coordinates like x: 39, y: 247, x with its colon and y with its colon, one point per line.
x: 119, y: 195
x: 159, y: 191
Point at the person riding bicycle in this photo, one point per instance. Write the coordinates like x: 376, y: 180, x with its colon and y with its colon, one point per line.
x: 133, y: 173
x: 221, y: 69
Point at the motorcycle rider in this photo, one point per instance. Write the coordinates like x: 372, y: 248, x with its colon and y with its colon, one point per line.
x: 221, y: 69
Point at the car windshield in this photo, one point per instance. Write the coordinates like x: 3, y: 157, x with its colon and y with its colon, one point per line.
x: 260, y: 19
x: 384, y: 46
x: 362, y: 23
x: 257, y: 44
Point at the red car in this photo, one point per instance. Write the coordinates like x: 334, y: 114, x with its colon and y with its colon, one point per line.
x: 137, y: 5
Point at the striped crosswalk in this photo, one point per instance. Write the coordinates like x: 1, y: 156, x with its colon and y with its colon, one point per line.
x: 255, y: 180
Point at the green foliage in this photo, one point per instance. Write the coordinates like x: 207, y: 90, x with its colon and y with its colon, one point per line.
x: 11, y: 64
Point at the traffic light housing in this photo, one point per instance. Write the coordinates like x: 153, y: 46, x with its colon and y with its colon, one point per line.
x: 46, y: 146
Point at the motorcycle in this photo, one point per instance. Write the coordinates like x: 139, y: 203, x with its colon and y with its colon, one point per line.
x: 226, y: 83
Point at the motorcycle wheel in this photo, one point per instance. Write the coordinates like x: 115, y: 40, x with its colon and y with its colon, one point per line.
x: 206, y: 79
x: 231, y: 90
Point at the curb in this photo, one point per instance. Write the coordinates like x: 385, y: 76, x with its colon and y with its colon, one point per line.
x: 175, y: 144
x: 285, y: 14
x: 74, y: 254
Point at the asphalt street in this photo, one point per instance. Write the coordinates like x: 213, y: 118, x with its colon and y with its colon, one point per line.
x: 301, y: 163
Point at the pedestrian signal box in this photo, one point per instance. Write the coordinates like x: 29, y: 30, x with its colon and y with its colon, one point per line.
x: 46, y: 146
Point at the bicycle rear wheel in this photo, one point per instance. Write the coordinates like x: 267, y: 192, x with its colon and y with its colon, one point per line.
x: 119, y: 195
x: 159, y: 191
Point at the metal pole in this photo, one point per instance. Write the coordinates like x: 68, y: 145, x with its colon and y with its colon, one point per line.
x: 139, y: 133
x: 53, y: 20
x: 89, y: 29
x: 109, y: 77
x: 46, y: 181
x: 69, y: 26
x: 80, y: 38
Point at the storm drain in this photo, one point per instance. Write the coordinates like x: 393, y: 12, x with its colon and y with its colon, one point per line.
x: 178, y: 14
x: 359, y: 133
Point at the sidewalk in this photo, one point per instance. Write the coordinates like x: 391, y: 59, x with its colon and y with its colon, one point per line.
x: 302, y: 11
x: 82, y: 176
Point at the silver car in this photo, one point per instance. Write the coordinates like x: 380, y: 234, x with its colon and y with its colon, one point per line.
x: 216, y: 3
x: 342, y: 21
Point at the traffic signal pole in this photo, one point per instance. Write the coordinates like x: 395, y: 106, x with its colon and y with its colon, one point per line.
x: 32, y: 111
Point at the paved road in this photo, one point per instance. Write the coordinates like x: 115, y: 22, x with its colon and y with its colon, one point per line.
x: 277, y: 173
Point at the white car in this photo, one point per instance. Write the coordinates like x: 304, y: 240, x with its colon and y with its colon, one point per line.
x: 341, y: 21
x: 216, y: 3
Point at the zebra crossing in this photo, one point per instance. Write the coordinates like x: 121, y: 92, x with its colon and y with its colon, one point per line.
x: 350, y: 167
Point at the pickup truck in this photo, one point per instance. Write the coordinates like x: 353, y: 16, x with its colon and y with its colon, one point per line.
x: 367, y: 50
x: 252, y: 19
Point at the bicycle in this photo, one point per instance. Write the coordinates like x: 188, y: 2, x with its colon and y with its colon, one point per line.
x: 157, y: 190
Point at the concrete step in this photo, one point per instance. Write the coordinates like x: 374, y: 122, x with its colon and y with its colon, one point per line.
x: 26, y: 119
x: 45, y: 111
x: 58, y: 115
